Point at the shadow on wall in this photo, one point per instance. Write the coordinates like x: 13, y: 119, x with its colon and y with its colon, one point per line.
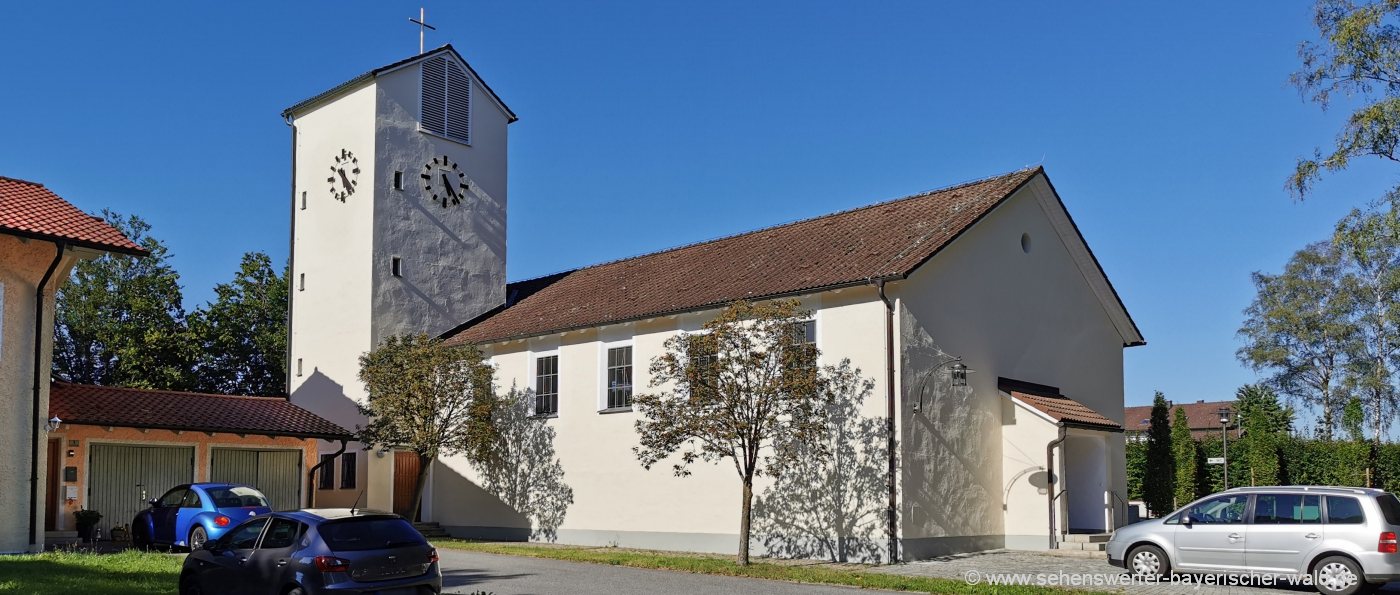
x: 327, y: 398
x: 950, y: 450
x: 828, y: 505
x: 523, y: 471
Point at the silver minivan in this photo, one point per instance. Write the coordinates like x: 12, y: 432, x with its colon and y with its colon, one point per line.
x: 1345, y: 538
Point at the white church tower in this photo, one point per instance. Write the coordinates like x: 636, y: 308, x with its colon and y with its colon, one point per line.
x: 398, y: 226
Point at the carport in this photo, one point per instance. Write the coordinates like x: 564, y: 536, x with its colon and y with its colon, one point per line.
x: 116, y: 448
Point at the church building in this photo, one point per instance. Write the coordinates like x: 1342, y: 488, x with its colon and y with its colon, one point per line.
x: 992, y: 335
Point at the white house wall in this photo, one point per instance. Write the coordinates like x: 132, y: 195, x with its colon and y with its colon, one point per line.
x: 1007, y: 313
x: 616, y: 501
x: 453, y: 258
x: 332, y: 251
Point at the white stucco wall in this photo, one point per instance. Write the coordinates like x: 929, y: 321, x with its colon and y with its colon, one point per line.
x: 1027, y: 316
x: 22, y: 264
x: 332, y: 247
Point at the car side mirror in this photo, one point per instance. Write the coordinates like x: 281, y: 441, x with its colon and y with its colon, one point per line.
x: 154, y: 502
x: 1186, y: 520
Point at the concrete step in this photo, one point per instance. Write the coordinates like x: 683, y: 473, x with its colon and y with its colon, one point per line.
x: 1082, y: 545
x: 1088, y: 537
x: 431, y: 530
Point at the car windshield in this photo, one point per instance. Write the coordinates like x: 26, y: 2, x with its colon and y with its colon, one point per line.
x: 236, y: 497
x: 369, y: 534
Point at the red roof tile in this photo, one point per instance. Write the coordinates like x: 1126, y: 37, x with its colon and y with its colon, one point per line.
x: 883, y: 240
x: 1062, y: 409
x: 1203, y: 417
x: 171, y: 410
x: 29, y: 209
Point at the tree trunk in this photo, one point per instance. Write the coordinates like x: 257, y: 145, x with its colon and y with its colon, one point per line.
x: 424, y: 464
x: 745, y: 516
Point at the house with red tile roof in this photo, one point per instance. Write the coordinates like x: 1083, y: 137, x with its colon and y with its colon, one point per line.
x: 41, y: 237
x: 1203, y: 417
x: 989, y: 329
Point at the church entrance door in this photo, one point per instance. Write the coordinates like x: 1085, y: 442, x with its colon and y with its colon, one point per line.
x: 406, y: 470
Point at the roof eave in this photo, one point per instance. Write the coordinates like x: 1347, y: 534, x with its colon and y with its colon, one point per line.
x: 180, y: 428
x: 72, y: 242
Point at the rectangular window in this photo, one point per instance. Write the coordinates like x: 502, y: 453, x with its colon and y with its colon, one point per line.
x: 547, y: 385
x: 619, y: 377
x: 326, y: 480
x: 301, y: 282
x: 704, y: 362
x: 1343, y: 510
x: 1287, y: 509
x: 396, y: 266
x: 303, y: 200
x: 398, y: 180
x: 298, y: 366
x: 804, y: 336
x: 347, y: 471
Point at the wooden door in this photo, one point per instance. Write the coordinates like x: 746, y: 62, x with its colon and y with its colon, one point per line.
x: 51, y: 496
x: 405, y: 478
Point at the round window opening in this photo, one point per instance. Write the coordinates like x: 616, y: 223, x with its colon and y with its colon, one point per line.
x: 1026, y: 243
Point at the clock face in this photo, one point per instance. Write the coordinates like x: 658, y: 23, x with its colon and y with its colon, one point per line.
x: 445, y: 182
x: 345, y: 175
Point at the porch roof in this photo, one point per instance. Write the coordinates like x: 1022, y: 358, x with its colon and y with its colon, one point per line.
x: 1049, y: 402
x: 172, y: 410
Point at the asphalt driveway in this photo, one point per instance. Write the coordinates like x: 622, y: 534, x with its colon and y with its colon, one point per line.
x: 466, y: 572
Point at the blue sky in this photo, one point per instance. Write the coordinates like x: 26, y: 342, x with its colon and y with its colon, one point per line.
x: 1167, y: 129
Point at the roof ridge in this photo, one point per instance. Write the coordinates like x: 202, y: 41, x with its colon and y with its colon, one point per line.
x: 22, y: 181
x: 168, y: 391
x: 874, y: 205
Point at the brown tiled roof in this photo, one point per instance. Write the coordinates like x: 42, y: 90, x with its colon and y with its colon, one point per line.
x: 1202, y: 417
x: 31, y: 210
x: 885, y: 240
x: 171, y: 410
x: 1062, y: 409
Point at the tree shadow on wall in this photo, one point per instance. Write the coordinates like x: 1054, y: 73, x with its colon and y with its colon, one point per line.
x: 522, y: 468
x: 827, y: 505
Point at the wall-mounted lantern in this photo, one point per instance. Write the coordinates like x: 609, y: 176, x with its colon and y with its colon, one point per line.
x: 53, y: 424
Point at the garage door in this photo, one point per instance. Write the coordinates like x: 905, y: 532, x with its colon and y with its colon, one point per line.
x: 276, y: 473
x: 122, y: 478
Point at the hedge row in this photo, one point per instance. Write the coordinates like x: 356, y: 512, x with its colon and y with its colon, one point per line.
x: 1300, y: 462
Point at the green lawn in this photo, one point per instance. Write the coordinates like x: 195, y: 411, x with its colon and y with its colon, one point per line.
x: 829, y: 574
x: 126, y: 573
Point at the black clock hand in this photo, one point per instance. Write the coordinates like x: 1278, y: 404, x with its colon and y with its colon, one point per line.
x: 346, y: 181
x: 450, y: 190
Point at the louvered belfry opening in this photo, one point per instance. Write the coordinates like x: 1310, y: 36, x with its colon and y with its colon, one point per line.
x: 447, y: 92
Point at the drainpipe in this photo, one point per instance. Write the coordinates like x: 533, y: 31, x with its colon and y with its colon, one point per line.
x: 59, y: 249
x: 311, y: 475
x: 1054, y: 481
x: 891, y: 478
x: 291, y: 260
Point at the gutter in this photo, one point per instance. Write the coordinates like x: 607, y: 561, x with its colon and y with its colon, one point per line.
x: 891, y: 478
x: 59, y: 249
x: 311, y: 475
x: 291, y: 259
x: 1050, y: 494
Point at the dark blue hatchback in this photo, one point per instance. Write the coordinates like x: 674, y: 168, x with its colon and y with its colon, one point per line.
x: 316, y: 551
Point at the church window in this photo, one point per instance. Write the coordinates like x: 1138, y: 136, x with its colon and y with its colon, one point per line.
x: 326, y: 474
x: 446, y: 99
x: 347, y: 471
x: 547, y: 385
x: 619, y: 377
x: 398, y: 180
x: 298, y: 366
x: 303, y: 200
x: 301, y: 282
x: 396, y: 266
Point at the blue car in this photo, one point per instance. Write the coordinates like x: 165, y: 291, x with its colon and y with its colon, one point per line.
x: 189, y: 515
x: 314, y: 552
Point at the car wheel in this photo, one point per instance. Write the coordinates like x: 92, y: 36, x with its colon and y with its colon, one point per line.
x: 197, y: 538
x: 1148, y: 560
x: 140, y: 540
x: 1338, y: 575
x: 295, y: 591
x: 190, y: 586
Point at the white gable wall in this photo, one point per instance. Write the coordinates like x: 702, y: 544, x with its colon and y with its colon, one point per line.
x: 1027, y: 316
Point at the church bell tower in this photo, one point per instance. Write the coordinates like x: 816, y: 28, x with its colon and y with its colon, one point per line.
x: 398, y: 226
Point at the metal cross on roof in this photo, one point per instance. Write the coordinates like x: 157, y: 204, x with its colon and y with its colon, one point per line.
x: 422, y: 22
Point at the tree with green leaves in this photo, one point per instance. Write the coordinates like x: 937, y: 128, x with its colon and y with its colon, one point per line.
x: 242, y: 334
x: 1136, y: 456
x: 1369, y: 241
x: 1184, y: 454
x: 119, y: 320
x: 430, y: 398
x: 1264, y: 424
x: 1356, y: 57
x: 1354, y: 420
x: 1159, y: 474
x: 1298, y: 328
x: 746, y: 390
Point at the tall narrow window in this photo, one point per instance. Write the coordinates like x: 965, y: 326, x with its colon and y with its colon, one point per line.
x: 704, y: 363
x: 298, y: 366
x: 398, y: 180
x: 301, y: 282
x: 547, y: 385
x: 303, y: 200
x: 396, y: 266
x: 347, y: 471
x: 619, y: 375
x: 326, y: 481
x: 446, y: 99
x: 804, y: 337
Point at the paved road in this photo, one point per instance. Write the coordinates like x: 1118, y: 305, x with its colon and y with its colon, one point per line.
x: 466, y: 572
